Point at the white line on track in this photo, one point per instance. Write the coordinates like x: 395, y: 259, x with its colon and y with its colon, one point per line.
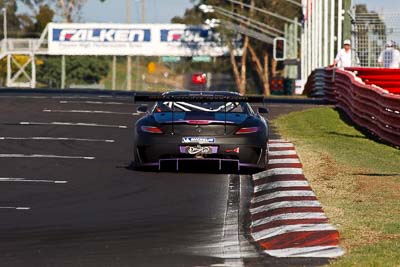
x: 289, y: 216
x: 280, y: 145
x: 15, y: 208
x: 278, y: 141
x: 291, y: 193
x: 90, y: 112
x: 94, y: 102
x: 74, y: 124
x: 316, y: 251
x: 72, y: 97
x: 277, y: 184
x: 282, y: 153
x: 278, y: 171
x: 264, y: 234
x: 42, y: 138
x: 283, y: 161
x: 88, y: 97
x: 28, y: 97
x: 24, y: 180
x: 43, y: 156
x: 285, y: 204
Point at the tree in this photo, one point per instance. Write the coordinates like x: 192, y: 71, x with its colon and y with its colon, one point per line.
x: 79, y: 70
x: 35, y: 25
x: 238, y: 67
x: 69, y: 9
x: 13, y: 22
x: 256, y: 61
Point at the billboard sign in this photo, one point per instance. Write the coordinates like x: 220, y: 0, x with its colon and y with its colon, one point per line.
x: 176, y: 40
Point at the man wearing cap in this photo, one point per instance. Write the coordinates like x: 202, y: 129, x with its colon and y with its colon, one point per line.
x: 390, y: 57
x: 343, y: 58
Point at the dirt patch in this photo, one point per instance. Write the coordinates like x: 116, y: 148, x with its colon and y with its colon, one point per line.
x: 351, y: 199
x: 379, y: 187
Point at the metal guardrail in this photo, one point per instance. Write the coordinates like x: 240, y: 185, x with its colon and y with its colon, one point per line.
x: 24, y: 46
x: 369, y: 106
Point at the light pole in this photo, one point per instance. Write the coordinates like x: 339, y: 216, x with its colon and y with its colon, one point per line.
x: 128, y: 58
x: 5, y: 25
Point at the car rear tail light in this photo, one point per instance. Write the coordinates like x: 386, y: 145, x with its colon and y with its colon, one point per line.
x: 247, y: 130
x: 151, y: 129
x: 199, y: 78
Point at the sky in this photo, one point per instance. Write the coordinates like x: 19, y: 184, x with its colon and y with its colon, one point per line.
x: 161, y: 11
x: 157, y: 11
x: 381, y: 5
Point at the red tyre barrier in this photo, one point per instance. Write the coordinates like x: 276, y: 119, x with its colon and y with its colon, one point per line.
x: 374, y: 108
x: 388, y: 79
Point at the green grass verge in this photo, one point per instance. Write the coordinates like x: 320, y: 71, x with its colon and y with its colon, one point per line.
x: 357, y: 181
x: 137, y: 78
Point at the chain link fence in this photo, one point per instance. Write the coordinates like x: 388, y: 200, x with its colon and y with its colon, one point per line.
x: 371, y: 33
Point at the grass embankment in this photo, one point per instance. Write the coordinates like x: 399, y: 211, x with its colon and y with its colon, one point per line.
x: 141, y: 80
x: 356, y: 179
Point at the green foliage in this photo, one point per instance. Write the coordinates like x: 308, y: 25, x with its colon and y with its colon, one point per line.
x: 13, y: 22
x: 44, y: 17
x: 34, y: 27
x: 195, y: 16
x: 192, y: 16
x: 79, y: 70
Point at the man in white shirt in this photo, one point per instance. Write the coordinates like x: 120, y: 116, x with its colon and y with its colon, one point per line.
x: 390, y: 57
x: 343, y: 58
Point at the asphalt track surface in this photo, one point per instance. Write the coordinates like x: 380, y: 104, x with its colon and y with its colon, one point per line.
x: 69, y: 198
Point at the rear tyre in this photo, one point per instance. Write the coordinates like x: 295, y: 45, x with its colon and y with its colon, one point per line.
x: 136, y: 160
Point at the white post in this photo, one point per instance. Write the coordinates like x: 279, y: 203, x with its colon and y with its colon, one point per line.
x: 309, y: 37
x: 33, y: 71
x: 303, y: 46
x: 320, y: 34
x: 63, y: 74
x: 304, y: 43
x: 5, y: 27
x: 9, y: 70
x: 326, y: 29
x: 340, y: 22
x: 114, y: 72
x: 128, y: 58
x: 332, y: 32
x: 314, y: 35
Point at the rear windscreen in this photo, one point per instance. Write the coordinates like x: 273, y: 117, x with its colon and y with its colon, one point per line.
x: 237, y: 107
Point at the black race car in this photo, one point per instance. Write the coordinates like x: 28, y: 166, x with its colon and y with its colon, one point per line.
x: 219, y: 130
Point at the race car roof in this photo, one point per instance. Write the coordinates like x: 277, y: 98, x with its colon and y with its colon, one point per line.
x: 196, y: 96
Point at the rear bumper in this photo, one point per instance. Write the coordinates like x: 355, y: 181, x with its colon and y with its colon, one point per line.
x: 237, y: 151
x: 178, y: 164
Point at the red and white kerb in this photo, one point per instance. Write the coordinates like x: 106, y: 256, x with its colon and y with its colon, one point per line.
x: 287, y: 218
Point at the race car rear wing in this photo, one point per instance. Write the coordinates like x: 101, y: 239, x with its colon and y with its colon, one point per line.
x: 197, y: 98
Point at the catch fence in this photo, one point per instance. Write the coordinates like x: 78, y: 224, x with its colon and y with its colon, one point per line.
x: 371, y: 32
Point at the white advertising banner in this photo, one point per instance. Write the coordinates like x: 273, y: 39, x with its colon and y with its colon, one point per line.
x: 134, y: 39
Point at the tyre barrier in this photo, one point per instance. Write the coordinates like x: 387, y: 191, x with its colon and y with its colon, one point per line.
x: 356, y: 92
x: 287, y: 219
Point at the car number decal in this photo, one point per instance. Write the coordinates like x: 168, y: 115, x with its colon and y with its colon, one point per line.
x: 198, y: 140
x: 194, y: 150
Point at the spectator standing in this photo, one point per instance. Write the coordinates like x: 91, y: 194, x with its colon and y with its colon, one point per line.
x: 343, y: 58
x: 390, y: 57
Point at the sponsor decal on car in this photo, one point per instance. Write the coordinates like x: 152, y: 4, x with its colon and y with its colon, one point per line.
x: 199, y: 150
x: 198, y: 140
